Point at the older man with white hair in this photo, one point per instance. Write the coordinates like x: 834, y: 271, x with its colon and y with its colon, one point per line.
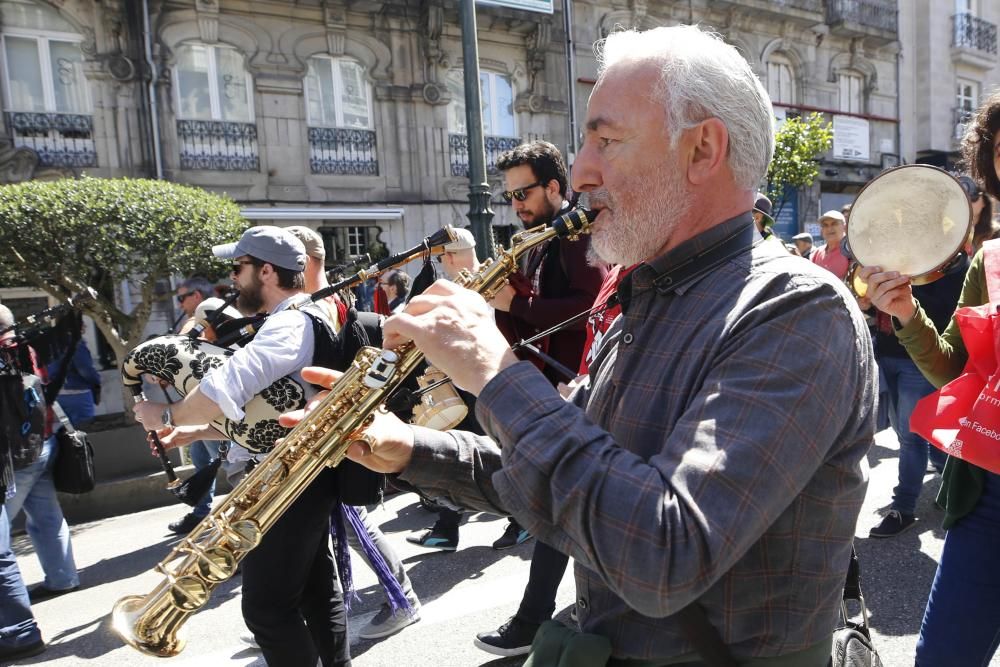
x: 708, y: 468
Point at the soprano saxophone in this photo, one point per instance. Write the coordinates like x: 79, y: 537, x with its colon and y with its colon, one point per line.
x: 209, y: 555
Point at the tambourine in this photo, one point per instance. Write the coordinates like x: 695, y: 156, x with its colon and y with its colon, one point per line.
x: 914, y: 219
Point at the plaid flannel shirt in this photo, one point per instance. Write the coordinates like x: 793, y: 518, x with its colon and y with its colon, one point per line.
x: 717, y: 455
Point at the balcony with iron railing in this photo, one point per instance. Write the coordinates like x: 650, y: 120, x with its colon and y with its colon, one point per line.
x: 458, y: 152
x: 218, y: 145
x: 974, y: 41
x: 59, y: 139
x: 342, y: 151
x: 874, y: 20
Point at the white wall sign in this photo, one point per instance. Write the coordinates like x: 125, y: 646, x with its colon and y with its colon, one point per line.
x: 850, y: 138
x: 544, y: 6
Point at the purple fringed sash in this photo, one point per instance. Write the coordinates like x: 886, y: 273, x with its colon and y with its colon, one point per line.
x: 342, y: 554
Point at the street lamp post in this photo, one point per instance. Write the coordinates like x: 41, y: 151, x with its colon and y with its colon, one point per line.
x: 480, y: 214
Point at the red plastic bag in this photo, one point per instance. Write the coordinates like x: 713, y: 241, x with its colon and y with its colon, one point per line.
x: 963, y: 417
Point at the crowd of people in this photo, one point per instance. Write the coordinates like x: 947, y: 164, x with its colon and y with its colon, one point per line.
x: 650, y: 439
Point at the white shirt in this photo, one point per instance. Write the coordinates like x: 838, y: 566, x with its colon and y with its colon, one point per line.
x: 283, y: 346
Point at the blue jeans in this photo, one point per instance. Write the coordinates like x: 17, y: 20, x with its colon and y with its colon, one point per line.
x: 202, y: 452
x: 79, y: 408
x: 17, y: 624
x: 46, y: 525
x: 905, y: 385
x: 961, y: 624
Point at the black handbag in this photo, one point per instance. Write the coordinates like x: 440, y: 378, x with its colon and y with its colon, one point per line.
x: 852, y: 642
x: 73, y: 471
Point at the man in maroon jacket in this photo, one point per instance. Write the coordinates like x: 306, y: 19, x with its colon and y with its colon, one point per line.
x: 555, y: 282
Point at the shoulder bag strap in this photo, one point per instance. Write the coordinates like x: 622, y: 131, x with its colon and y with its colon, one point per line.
x: 63, y: 419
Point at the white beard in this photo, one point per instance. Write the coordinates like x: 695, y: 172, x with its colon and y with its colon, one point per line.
x: 640, y: 228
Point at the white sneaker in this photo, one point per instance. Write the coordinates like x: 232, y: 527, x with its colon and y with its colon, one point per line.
x: 248, y: 639
x: 386, y: 623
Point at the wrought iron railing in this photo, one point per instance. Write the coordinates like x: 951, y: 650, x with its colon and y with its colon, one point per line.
x: 342, y: 150
x: 458, y: 152
x: 972, y: 32
x: 961, y: 119
x: 218, y: 145
x: 59, y: 139
x: 880, y: 14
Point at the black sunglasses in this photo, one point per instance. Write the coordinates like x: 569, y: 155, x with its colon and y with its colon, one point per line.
x: 181, y: 298
x: 238, y: 265
x: 520, y: 194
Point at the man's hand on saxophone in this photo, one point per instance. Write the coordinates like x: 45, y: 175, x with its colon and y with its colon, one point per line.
x: 389, y: 441
x: 455, y: 329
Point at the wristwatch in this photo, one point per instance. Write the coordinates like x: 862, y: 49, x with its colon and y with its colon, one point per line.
x: 167, y: 418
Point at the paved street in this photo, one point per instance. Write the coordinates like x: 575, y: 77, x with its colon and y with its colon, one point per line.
x: 470, y: 590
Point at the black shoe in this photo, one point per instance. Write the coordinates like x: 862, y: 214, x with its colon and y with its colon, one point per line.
x: 893, y: 524
x: 512, y: 536
x: 184, y: 525
x: 41, y: 592
x: 434, y: 539
x: 17, y: 652
x: 512, y: 638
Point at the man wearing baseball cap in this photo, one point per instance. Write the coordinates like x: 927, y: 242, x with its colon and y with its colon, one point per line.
x: 833, y: 226
x: 459, y: 254
x: 292, y: 599
x: 804, y: 243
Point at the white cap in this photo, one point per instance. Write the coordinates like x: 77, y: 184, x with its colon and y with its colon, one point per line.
x: 463, y: 241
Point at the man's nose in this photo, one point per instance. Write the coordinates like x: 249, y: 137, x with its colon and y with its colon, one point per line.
x: 586, y: 174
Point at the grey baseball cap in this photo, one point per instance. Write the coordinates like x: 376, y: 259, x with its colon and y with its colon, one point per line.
x: 269, y: 244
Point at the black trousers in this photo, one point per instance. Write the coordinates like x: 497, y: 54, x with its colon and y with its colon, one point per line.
x: 292, y: 599
x: 547, y: 569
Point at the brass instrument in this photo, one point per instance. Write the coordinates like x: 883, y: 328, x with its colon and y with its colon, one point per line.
x: 153, y: 623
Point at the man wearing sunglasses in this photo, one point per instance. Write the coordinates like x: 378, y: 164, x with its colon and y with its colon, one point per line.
x: 190, y: 294
x: 292, y: 599
x: 555, y: 282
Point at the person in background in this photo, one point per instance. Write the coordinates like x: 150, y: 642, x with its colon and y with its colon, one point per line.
x: 984, y: 227
x: 20, y: 636
x: 35, y: 492
x: 762, y: 218
x: 395, y: 285
x: 315, y: 274
x: 967, y: 582
x: 190, y: 294
x: 833, y: 226
x: 81, y: 391
x: 804, y: 243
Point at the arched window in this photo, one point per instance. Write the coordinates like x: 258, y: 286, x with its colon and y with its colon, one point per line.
x: 497, y: 101
x: 46, y: 96
x: 499, y: 128
x: 780, y: 79
x: 215, y: 126
x: 212, y: 84
x: 341, y: 124
x: 337, y: 93
x: 851, y: 86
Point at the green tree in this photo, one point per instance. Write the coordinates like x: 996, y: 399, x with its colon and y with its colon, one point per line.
x: 797, y: 145
x: 74, y: 235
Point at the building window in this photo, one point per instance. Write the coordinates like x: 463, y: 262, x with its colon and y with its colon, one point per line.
x: 357, y: 241
x: 215, y: 127
x: 851, y: 92
x: 47, y: 100
x: 498, y: 119
x: 212, y: 84
x: 337, y: 94
x: 497, y: 101
x: 966, y: 101
x: 780, y: 82
x: 341, y: 129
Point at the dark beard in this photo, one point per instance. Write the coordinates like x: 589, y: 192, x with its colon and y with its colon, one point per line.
x: 250, y: 300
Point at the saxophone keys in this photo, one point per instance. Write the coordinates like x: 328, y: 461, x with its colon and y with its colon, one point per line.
x: 188, y: 593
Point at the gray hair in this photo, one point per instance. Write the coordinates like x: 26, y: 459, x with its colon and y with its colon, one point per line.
x: 703, y: 77
x: 198, y: 284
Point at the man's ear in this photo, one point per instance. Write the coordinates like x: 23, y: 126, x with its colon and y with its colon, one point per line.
x: 708, y: 143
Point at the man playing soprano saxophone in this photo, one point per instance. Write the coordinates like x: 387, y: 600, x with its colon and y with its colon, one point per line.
x: 292, y: 599
x: 707, y: 460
